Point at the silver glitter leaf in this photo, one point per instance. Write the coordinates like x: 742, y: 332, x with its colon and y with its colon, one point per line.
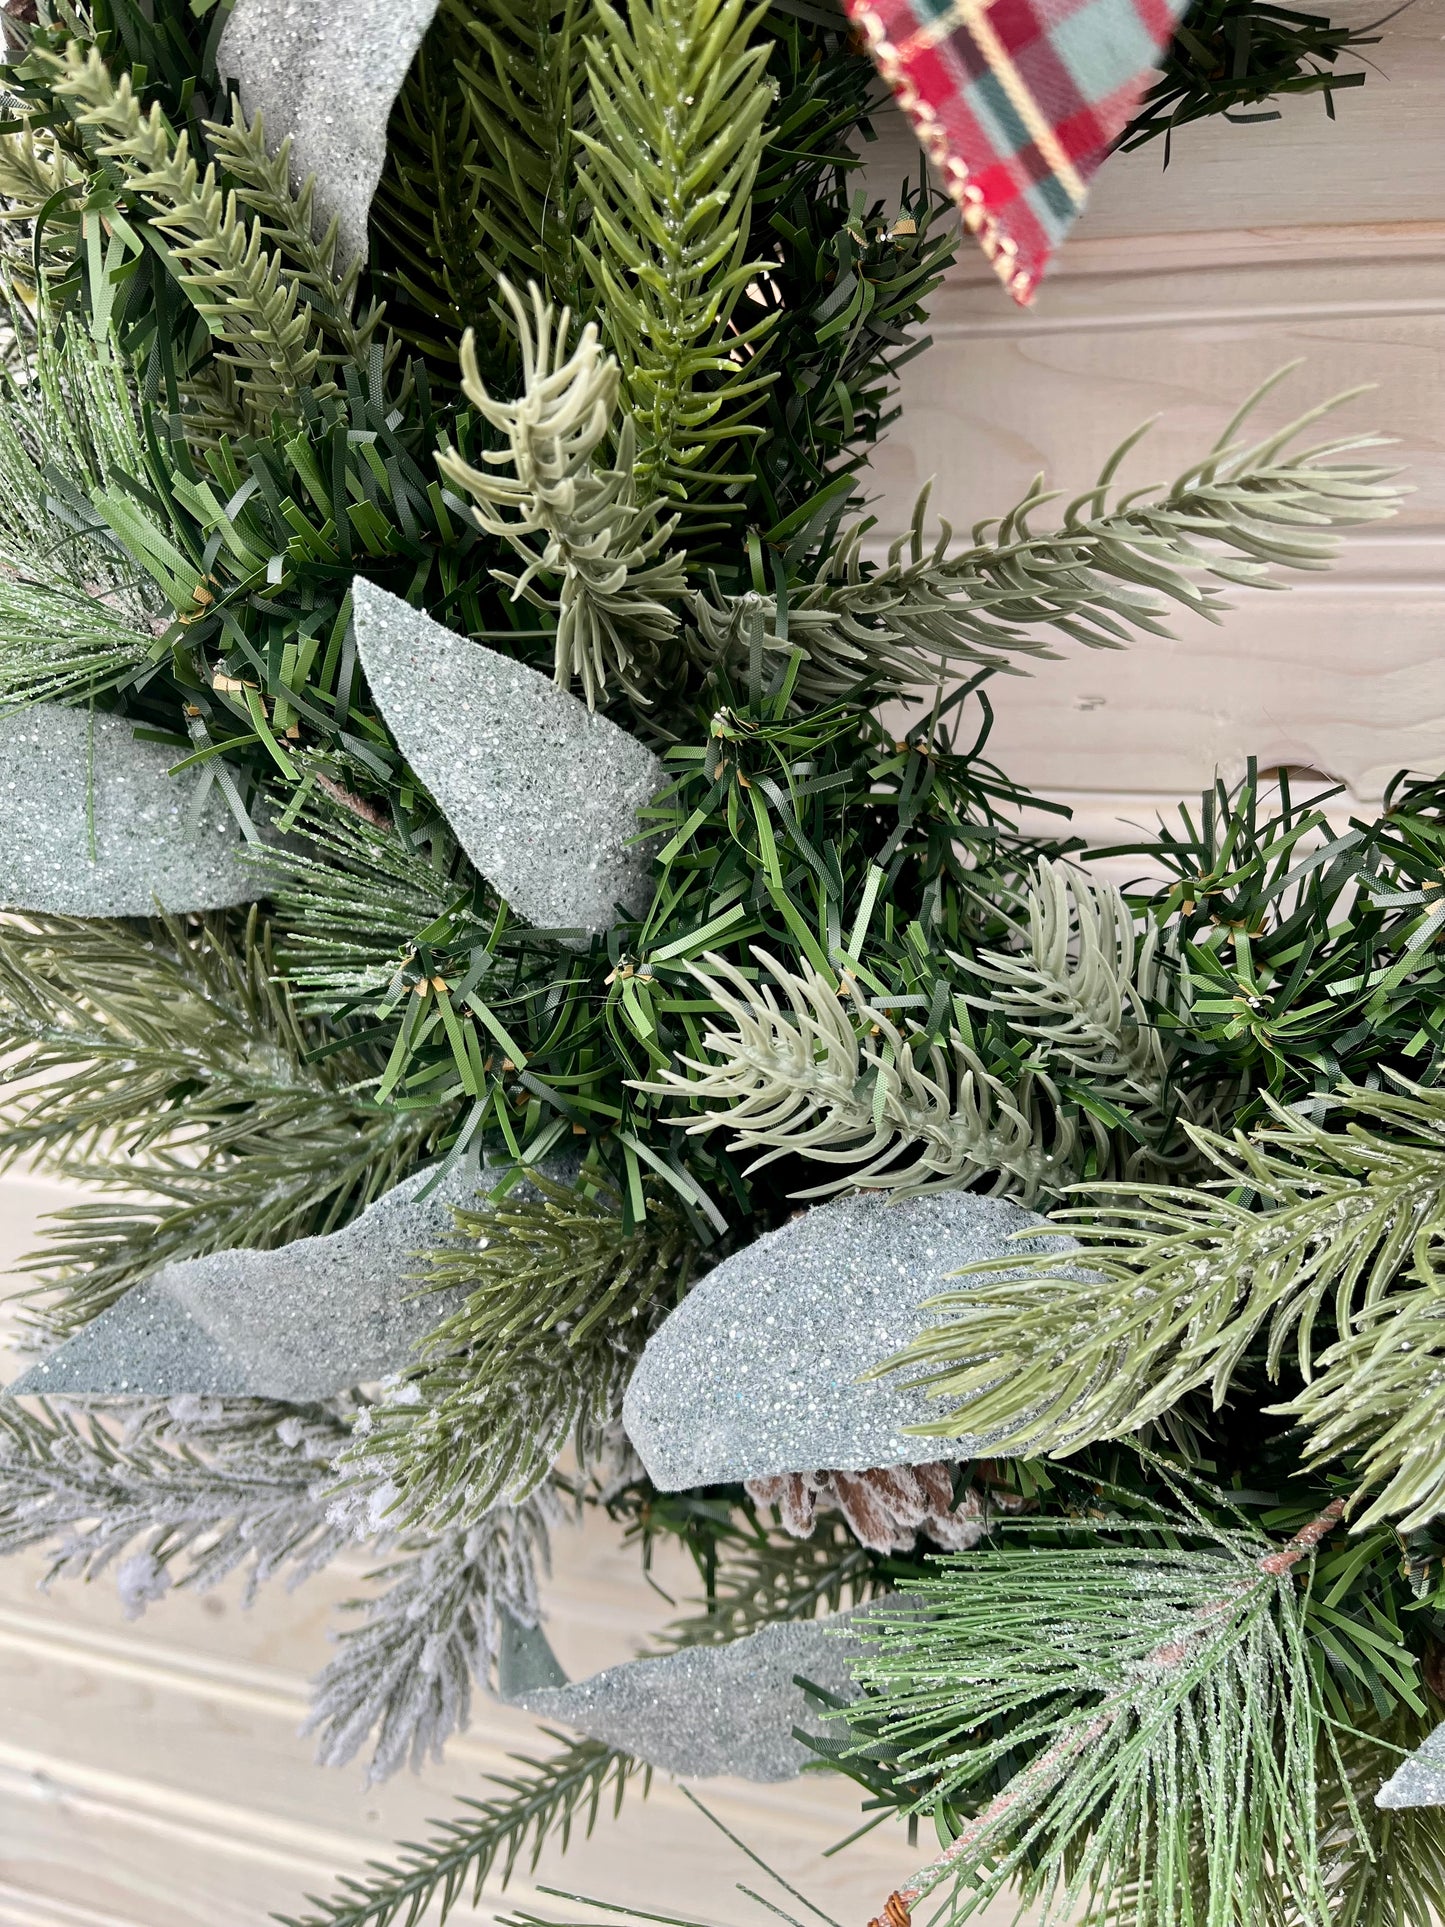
x: 301, y: 1322
x: 713, y: 1709
x: 328, y: 74
x: 542, y: 793
x: 525, y: 1660
x: 757, y: 1371
x: 92, y: 825
x: 1420, y: 1780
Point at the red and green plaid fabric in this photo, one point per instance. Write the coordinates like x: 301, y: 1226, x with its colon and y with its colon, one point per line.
x: 1017, y: 103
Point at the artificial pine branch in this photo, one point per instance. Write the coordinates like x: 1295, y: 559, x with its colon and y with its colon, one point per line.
x: 1085, y: 986
x: 481, y: 179
x: 1242, y: 511
x: 288, y: 227
x: 168, y: 1059
x: 406, y: 1672
x: 349, y: 906
x: 526, y: 82
x: 1166, y: 1701
x: 1306, y: 953
x: 849, y: 279
x: 805, y: 1077
x: 562, y: 1295
x: 1177, y: 1290
x: 606, y: 550
x: 207, y: 1486
x: 545, y: 1800
x: 75, y: 615
x: 1232, y: 55
x: 798, y: 1079
x: 679, y: 110
x: 1385, y: 1868
x: 429, y: 256
x: 245, y: 295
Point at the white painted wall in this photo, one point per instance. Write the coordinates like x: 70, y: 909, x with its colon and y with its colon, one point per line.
x: 1178, y: 292
x: 150, y: 1774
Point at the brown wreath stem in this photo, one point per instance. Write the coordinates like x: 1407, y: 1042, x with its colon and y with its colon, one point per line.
x: 1051, y: 1763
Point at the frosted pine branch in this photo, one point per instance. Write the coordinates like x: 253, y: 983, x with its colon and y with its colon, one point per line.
x: 406, y: 1672
x: 1182, y: 1653
x: 186, y: 1491
x: 606, y: 550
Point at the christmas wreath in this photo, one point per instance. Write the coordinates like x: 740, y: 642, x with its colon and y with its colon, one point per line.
x: 509, y: 908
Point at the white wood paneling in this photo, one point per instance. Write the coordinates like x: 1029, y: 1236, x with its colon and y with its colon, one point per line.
x: 1178, y: 293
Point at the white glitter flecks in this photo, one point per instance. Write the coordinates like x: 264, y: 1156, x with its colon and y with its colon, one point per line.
x: 714, y: 1709
x: 92, y: 824
x: 1420, y: 1781
x: 542, y: 793
x: 757, y: 1371
x: 303, y: 1322
x: 328, y: 74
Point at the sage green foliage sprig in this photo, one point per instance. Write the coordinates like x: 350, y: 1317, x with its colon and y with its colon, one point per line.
x: 1175, y: 1291
x: 823, y: 1071
x: 560, y: 1298
x: 607, y: 550
x: 289, y: 225
x: 794, y: 1078
x: 1108, y: 570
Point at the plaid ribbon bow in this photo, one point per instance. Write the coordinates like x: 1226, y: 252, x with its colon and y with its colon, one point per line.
x: 1017, y: 102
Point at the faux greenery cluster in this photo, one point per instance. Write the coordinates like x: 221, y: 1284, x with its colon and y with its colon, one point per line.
x: 602, y: 397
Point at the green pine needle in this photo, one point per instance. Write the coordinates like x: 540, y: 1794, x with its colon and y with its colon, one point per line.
x: 546, y: 1800
x: 1235, y: 58
x: 679, y: 111
x: 1160, y: 1719
x: 561, y: 1295
x: 167, y: 1059
x: 243, y: 293
x: 1243, y: 511
x: 1174, y: 1291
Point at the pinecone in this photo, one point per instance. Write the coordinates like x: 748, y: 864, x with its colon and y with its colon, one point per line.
x: 886, y: 1508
